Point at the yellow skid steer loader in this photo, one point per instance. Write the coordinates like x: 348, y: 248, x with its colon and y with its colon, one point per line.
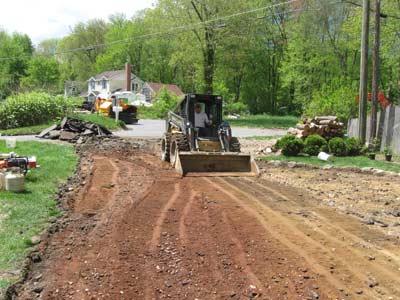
x: 197, y: 142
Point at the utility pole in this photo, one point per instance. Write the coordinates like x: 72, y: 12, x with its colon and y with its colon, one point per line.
x: 375, y: 72
x: 362, y: 116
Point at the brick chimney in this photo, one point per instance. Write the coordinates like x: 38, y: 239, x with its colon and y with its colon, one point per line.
x: 128, y: 73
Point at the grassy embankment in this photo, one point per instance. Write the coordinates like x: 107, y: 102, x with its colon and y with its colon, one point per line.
x: 348, y: 161
x: 24, y: 215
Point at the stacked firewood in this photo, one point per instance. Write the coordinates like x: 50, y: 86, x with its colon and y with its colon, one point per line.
x: 327, y: 126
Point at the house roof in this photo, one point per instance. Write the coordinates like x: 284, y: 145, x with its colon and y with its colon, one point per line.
x: 156, y: 87
x: 111, y: 75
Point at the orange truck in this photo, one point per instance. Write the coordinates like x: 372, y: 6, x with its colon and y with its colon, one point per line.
x: 125, y: 100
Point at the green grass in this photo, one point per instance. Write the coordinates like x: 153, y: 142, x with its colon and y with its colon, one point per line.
x: 265, y: 121
x: 263, y: 137
x: 23, y: 215
x: 107, y: 122
x: 348, y: 161
x: 26, y: 130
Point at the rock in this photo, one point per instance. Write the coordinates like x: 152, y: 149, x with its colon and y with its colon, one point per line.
x: 276, y: 163
x: 67, y: 136
x: 292, y: 164
x: 186, y: 282
x: 379, y: 172
x: 367, y: 170
x: 371, y: 282
x: 368, y: 221
x: 327, y: 167
x: 36, y: 258
x: 314, y: 295
x: 54, y: 134
x: 35, y: 240
x: 38, y: 289
x: 47, y: 130
x: 359, y: 292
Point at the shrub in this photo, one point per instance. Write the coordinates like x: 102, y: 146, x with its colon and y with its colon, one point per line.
x: 292, y: 146
x: 354, y: 146
x: 33, y: 109
x: 337, y: 146
x: 315, y: 144
x: 236, y: 108
x: 283, y: 141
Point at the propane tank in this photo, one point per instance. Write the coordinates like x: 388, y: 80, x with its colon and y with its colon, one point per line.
x: 15, y: 182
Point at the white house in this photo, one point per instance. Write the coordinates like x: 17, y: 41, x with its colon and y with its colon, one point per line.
x: 109, y: 82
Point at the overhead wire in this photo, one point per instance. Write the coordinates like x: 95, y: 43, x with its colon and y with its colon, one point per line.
x: 148, y: 35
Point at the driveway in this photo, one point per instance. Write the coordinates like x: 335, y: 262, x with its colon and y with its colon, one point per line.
x: 156, y: 128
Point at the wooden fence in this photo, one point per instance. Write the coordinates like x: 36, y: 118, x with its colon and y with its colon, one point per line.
x: 388, y: 128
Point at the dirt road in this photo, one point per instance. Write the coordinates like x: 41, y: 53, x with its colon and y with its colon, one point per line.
x: 136, y: 230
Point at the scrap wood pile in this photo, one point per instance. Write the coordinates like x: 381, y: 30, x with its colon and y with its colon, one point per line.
x: 74, y: 131
x: 328, y: 127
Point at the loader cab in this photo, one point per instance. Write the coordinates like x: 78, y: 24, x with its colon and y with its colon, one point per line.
x: 210, y: 104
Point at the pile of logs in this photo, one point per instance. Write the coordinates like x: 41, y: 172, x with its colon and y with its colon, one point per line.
x: 328, y: 127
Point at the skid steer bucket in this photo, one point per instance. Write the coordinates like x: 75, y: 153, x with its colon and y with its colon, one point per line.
x: 216, y: 164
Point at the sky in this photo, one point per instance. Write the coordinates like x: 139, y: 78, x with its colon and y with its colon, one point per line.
x: 43, y: 19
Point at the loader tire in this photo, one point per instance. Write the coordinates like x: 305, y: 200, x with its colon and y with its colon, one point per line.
x: 234, y: 145
x: 165, y: 147
x: 178, y: 143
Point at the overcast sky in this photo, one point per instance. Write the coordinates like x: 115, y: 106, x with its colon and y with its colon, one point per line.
x: 42, y: 19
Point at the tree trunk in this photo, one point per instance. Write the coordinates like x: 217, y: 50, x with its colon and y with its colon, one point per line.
x: 209, y: 63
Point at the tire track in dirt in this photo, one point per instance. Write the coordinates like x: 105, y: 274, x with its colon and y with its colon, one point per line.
x: 105, y: 177
x: 186, y: 210
x: 351, y: 258
x: 160, y: 220
x: 266, y: 216
x: 241, y: 254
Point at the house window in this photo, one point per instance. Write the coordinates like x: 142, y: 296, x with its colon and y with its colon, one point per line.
x: 135, y: 86
x: 92, y: 84
x: 104, y: 84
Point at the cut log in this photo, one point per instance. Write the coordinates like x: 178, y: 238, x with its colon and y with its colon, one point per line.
x: 323, y: 118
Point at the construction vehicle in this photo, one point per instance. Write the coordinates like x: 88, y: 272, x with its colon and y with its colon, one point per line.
x: 124, y: 100
x: 214, y: 152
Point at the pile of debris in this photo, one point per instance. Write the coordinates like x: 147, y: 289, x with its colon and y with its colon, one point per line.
x: 328, y: 127
x: 74, y: 131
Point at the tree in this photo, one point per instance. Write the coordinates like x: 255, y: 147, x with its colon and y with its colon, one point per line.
x: 42, y: 73
x: 80, y: 50
x: 15, y: 52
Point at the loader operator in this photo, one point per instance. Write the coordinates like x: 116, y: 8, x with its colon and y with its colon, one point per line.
x: 201, y: 120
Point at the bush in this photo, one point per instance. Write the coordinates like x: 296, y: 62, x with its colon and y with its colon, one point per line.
x: 236, y: 108
x: 315, y: 144
x: 33, y: 109
x: 354, y: 146
x: 290, y: 145
x: 283, y: 141
x: 337, y: 146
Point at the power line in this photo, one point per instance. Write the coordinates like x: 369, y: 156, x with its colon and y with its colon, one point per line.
x: 172, y: 29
